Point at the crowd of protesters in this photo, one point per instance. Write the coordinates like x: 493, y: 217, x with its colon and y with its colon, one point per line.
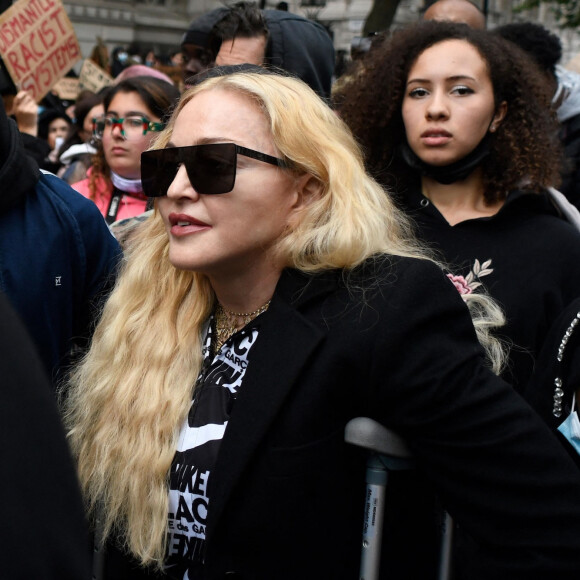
x: 230, y: 251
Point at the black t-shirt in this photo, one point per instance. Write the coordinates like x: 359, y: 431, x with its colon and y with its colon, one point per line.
x: 215, y: 393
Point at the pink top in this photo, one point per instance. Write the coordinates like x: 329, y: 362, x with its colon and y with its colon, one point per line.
x: 130, y: 206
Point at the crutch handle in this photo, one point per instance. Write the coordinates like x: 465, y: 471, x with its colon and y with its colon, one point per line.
x: 371, y: 435
x: 388, y: 451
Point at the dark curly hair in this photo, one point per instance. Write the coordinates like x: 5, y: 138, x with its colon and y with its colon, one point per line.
x: 541, y: 44
x: 525, y: 150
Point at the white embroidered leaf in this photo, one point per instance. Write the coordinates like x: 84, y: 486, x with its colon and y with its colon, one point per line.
x: 469, y: 278
x: 475, y: 285
x: 486, y: 264
x: 485, y: 272
x: 476, y: 267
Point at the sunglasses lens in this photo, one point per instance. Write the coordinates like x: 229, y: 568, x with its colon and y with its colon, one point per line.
x: 212, y: 168
x: 158, y: 170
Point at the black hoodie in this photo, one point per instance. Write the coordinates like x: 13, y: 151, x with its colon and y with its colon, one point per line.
x: 301, y: 47
x: 297, y: 45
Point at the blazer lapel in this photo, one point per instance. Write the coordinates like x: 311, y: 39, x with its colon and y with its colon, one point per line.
x: 286, y: 341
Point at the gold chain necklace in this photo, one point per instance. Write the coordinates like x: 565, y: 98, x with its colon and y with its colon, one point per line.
x: 228, y: 322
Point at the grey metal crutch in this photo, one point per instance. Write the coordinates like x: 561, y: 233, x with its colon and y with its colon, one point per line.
x: 388, y: 452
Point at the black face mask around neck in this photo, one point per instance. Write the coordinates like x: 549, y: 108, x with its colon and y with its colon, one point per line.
x: 445, y: 174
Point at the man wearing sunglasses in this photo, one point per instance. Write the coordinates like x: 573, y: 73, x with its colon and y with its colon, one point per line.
x: 242, y: 33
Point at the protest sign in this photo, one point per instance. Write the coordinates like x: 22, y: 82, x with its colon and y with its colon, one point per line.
x: 93, y: 78
x: 67, y: 88
x: 38, y: 44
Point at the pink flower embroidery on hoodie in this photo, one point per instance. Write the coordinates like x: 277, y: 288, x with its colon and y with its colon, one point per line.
x: 467, y: 284
x: 460, y: 283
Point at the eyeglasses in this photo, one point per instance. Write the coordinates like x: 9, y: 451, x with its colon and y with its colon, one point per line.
x: 131, y: 127
x: 211, y: 168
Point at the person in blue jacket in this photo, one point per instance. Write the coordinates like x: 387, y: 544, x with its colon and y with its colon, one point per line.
x: 57, y: 256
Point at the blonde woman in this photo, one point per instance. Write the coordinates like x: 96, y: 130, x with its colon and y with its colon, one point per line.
x: 274, y: 295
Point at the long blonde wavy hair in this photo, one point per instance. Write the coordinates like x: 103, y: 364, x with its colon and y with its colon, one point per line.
x: 125, y: 402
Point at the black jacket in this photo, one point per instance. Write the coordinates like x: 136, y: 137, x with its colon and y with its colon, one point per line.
x: 396, y: 344
x: 557, y: 374
x: 43, y: 533
x: 570, y: 138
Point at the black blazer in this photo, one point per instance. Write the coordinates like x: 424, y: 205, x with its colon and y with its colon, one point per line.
x: 392, y: 341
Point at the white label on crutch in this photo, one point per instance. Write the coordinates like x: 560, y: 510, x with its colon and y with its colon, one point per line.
x: 372, y: 502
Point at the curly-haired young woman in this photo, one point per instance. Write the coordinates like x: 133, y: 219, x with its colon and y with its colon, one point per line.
x: 457, y: 124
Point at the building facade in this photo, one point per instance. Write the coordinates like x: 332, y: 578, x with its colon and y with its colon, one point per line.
x: 159, y: 24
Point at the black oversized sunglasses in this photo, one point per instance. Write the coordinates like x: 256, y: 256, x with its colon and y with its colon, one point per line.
x: 211, y: 168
